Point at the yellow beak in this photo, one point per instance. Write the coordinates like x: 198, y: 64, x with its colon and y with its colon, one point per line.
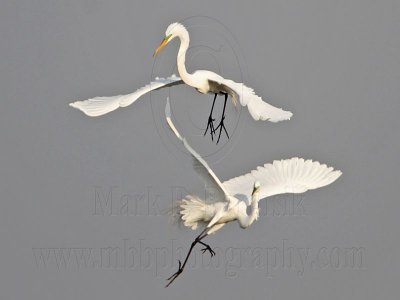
x: 163, y: 43
x: 254, y: 191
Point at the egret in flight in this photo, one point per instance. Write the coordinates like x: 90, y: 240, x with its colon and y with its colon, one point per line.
x: 237, y: 198
x: 202, y: 80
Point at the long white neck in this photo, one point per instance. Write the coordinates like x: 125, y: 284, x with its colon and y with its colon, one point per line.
x: 183, y: 73
x: 247, y: 219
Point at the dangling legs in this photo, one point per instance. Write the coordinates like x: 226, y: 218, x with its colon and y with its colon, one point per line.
x: 198, y: 239
x: 210, y: 123
x: 221, y: 123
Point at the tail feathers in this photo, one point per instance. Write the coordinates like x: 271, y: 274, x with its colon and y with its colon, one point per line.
x: 194, y: 211
x: 173, y: 213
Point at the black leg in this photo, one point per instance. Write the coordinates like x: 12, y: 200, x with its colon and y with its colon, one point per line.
x: 198, y: 239
x: 210, y: 123
x: 221, y: 124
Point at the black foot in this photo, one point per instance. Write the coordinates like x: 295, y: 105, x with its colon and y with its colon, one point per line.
x: 208, y: 248
x: 175, y: 275
x: 221, y: 126
x: 210, y: 125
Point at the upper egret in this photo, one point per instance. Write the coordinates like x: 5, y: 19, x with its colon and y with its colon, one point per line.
x: 202, y: 80
x: 233, y: 198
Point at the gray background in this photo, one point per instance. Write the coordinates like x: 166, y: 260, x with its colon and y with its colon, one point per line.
x: 334, y: 64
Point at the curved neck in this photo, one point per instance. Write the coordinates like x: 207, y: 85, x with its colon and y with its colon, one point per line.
x: 248, y: 219
x: 183, y: 73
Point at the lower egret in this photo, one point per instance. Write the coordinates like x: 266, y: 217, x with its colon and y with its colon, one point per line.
x: 237, y: 198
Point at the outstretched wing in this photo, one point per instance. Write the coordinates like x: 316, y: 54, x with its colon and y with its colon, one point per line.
x: 258, y: 109
x: 211, y: 181
x: 294, y: 175
x: 102, y: 105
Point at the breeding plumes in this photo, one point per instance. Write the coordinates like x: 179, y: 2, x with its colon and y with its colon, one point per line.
x: 202, y: 80
x: 237, y: 198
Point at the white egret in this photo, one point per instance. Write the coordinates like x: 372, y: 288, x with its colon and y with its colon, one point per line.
x: 202, y: 80
x: 237, y: 198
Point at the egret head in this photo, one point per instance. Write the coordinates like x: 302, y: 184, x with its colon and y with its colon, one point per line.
x: 173, y: 30
x: 256, y: 187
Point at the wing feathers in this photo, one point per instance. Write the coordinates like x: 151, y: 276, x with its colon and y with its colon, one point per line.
x: 102, y: 105
x: 212, y: 182
x: 294, y: 175
x: 258, y: 109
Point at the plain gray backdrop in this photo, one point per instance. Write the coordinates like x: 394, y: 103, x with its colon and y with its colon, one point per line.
x: 334, y: 64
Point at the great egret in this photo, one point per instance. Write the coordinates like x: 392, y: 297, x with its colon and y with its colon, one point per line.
x: 202, y: 80
x: 232, y: 198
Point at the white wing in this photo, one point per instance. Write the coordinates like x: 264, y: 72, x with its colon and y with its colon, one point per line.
x: 102, y: 105
x: 294, y: 175
x: 212, y: 182
x: 258, y: 109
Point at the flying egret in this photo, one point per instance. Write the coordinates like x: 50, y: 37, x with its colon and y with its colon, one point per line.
x: 202, y: 80
x: 237, y: 198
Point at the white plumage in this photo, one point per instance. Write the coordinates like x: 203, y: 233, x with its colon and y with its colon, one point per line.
x: 202, y: 80
x: 257, y: 107
x: 231, y: 199
x: 237, y: 198
x: 294, y: 175
x: 102, y: 105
